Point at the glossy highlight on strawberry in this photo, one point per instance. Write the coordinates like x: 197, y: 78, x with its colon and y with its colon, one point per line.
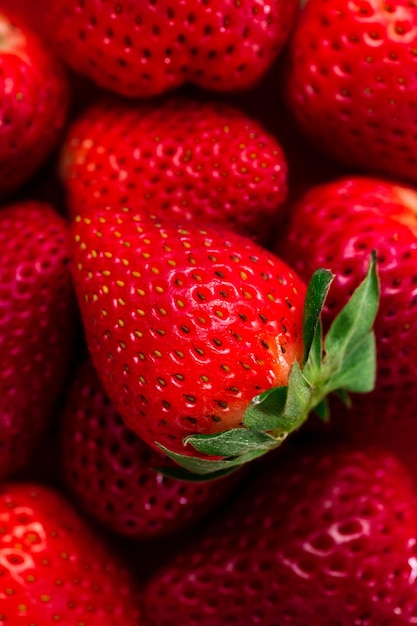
x: 142, y: 48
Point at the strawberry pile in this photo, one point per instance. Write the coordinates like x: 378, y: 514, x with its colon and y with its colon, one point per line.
x: 208, y: 298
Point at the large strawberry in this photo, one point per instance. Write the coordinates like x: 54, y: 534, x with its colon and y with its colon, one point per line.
x: 138, y: 48
x: 113, y: 473
x: 37, y: 317
x: 195, y: 160
x: 337, y: 224
x: 352, y: 81
x: 34, y: 102
x: 187, y: 325
x: 322, y: 538
x: 54, y: 569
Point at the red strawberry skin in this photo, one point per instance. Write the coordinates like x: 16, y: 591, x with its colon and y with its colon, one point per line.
x: 140, y: 49
x: 202, y: 161
x: 184, y: 325
x: 323, y: 537
x: 112, y: 473
x: 37, y: 325
x: 34, y: 103
x: 54, y: 568
x: 352, y: 82
x: 337, y: 225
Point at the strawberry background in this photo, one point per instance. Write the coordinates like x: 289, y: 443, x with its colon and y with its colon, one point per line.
x: 335, y: 546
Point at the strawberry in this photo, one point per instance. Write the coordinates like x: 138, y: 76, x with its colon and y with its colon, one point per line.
x: 189, y: 327
x: 337, y: 224
x: 37, y: 317
x: 112, y: 472
x: 321, y: 538
x: 54, y: 568
x: 33, y: 105
x: 196, y: 160
x: 140, y: 49
x: 352, y: 82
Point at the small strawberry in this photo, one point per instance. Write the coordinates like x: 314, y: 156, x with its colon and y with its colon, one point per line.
x: 37, y: 318
x: 140, y: 49
x: 337, y: 224
x: 352, y: 81
x: 319, y: 539
x: 196, y: 160
x: 189, y: 327
x: 112, y: 472
x: 53, y: 567
x: 34, y: 102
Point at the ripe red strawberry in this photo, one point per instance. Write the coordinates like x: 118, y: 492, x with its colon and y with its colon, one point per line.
x: 54, y: 568
x: 141, y: 49
x: 33, y: 106
x: 323, y: 538
x: 112, y: 473
x: 336, y: 225
x: 37, y: 316
x: 196, y: 160
x: 187, y: 326
x: 352, y: 81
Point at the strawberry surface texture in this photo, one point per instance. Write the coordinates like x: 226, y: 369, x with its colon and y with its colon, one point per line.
x: 113, y: 474
x: 352, y: 82
x: 34, y: 103
x: 195, y: 160
x: 141, y: 48
x: 37, y: 326
x: 329, y: 541
x: 208, y: 293
x: 54, y: 568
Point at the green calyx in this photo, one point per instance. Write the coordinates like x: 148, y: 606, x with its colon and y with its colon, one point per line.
x: 343, y: 361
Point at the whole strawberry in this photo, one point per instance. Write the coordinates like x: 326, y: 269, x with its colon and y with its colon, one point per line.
x: 320, y: 538
x: 352, y: 82
x: 139, y: 49
x: 194, y: 160
x: 337, y: 224
x: 54, y: 568
x: 188, y: 327
x: 34, y: 102
x: 37, y: 319
x: 112, y: 473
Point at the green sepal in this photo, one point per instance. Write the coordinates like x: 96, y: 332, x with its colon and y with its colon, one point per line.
x: 356, y: 318
x: 358, y: 368
x: 298, y: 399
x: 263, y: 408
x: 317, y: 291
x: 207, y: 467
x: 232, y: 442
